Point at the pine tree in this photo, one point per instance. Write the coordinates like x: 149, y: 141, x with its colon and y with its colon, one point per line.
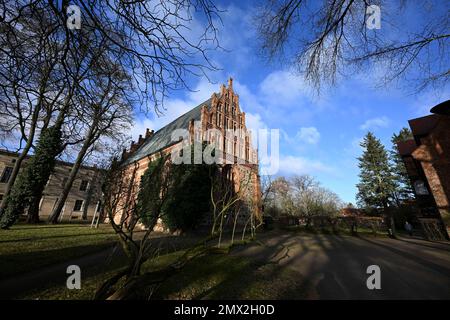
x: 404, y: 190
x: 376, y: 185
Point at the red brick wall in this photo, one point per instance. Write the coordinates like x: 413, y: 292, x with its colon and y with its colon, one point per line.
x: 434, y: 155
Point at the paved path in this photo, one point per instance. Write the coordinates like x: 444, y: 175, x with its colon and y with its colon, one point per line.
x: 334, y: 267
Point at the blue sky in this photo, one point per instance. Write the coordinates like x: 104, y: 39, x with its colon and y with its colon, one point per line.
x: 319, y: 134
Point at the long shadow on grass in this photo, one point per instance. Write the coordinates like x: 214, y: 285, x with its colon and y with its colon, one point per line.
x: 17, y: 277
x: 231, y: 276
x: 19, y: 263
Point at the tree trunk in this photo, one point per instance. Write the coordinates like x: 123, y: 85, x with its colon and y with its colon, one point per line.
x: 89, y: 192
x: 30, y: 139
x: 33, y: 211
x: 73, y: 173
x: 390, y: 215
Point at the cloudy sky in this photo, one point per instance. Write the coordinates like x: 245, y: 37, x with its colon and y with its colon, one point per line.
x: 319, y: 134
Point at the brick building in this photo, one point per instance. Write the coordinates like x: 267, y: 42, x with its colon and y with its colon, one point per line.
x: 427, y: 160
x: 83, y: 199
x: 211, y: 121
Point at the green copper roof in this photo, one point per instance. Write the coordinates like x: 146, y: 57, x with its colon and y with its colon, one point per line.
x: 163, y: 137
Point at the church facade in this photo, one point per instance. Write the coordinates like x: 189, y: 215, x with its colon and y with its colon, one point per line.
x: 220, y: 123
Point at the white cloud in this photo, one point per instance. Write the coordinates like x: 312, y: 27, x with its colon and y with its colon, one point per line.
x: 202, y: 91
x: 301, y: 165
x: 248, y: 101
x: 282, y: 88
x: 309, y: 135
x: 254, y: 122
x: 375, y: 123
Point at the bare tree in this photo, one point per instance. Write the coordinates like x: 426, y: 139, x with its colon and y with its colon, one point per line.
x: 267, y: 191
x: 129, y: 205
x: 326, y: 38
x: 302, y: 196
x: 151, y: 41
x: 229, y: 199
x: 223, y: 197
x: 154, y: 41
x: 282, y: 198
x: 31, y: 84
x: 120, y: 189
x: 104, y: 113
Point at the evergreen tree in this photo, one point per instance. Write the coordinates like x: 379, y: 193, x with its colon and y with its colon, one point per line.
x: 376, y: 184
x: 28, y: 188
x: 376, y: 181
x: 404, y: 190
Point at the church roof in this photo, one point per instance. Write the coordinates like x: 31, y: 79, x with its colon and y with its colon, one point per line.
x: 162, y: 138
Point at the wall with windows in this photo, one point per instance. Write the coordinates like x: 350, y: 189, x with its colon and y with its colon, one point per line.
x: 84, y: 197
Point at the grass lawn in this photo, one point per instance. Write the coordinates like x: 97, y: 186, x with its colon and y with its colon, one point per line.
x: 28, y: 247
x: 93, y: 281
x: 226, y: 276
x: 214, y: 276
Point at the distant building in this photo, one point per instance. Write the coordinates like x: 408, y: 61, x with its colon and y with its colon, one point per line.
x: 351, y: 212
x: 83, y: 199
x: 427, y: 160
x: 209, y: 122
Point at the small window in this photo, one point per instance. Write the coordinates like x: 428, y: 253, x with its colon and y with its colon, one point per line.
x: 6, y: 174
x: 84, y: 185
x: 1, y: 197
x: 78, y: 205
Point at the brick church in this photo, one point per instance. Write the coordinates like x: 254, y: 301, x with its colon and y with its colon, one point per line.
x: 212, y: 122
